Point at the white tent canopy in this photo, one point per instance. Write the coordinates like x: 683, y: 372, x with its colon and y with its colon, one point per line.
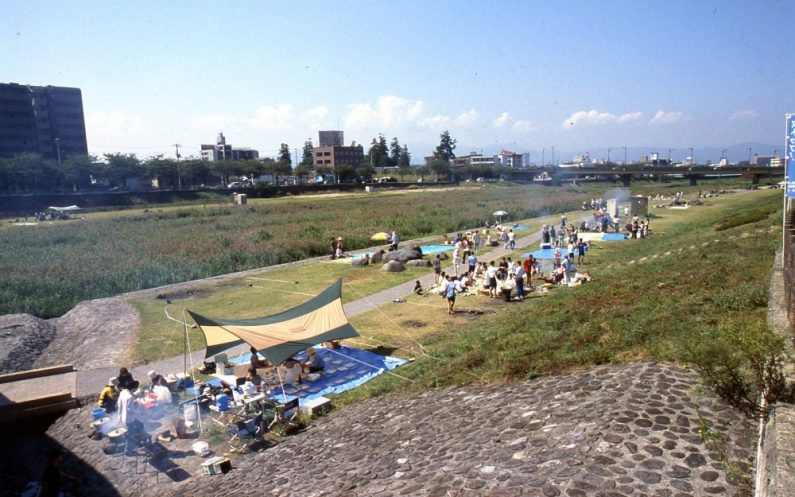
x: 65, y: 209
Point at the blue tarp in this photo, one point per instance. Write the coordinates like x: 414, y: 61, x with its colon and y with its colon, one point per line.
x: 346, y: 368
x: 547, y: 253
x: 613, y: 237
x: 434, y: 249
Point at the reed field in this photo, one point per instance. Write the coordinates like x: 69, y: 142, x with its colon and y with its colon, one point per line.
x: 45, y: 270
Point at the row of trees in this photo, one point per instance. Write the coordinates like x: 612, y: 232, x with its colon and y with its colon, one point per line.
x: 33, y: 173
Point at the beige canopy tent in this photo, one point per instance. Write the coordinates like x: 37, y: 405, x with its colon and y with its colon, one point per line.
x: 280, y: 336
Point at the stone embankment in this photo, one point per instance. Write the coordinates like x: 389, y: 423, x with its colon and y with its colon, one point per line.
x: 642, y: 429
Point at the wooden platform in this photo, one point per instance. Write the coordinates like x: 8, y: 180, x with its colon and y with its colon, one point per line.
x: 37, y: 391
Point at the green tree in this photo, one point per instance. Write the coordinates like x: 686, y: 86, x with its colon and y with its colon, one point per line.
x: 165, y: 170
x: 405, y: 157
x: 119, y: 167
x: 76, y: 170
x: 195, y: 172
x: 344, y: 173
x: 308, y: 157
x: 445, y: 150
x: 395, y: 151
x: 303, y: 171
x: 378, y: 152
x: 284, y: 155
x: 365, y: 171
x: 440, y: 168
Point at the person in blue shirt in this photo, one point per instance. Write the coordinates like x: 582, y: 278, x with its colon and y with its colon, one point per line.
x: 315, y: 363
x: 472, y: 260
x: 450, y: 294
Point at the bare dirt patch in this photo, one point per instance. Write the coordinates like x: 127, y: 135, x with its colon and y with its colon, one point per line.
x: 97, y: 333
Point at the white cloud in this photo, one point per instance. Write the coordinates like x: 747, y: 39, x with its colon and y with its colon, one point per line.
x: 388, y: 112
x: 113, y: 124
x: 318, y: 113
x: 662, y: 117
x: 502, y: 120
x: 629, y: 117
x: 273, y: 118
x: 215, y: 122
x: 744, y: 114
x: 524, y: 126
x: 468, y: 118
x: 595, y: 118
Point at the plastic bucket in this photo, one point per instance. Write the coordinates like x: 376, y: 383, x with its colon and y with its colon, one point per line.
x: 189, y: 410
x: 98, y: 413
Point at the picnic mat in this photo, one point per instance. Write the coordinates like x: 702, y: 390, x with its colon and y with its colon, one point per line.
x: 547, y: 253
x: 607, y: 237
x: 346, y: 368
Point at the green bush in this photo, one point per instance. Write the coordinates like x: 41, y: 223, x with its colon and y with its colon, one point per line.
x: 742, y: 362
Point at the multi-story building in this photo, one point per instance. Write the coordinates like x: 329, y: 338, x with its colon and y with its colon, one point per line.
x: 46, y: 120
x: 335, y: 156
x: 475, y: 159
x: 223, y: 151
x: 331, y: 139
x: 506, y: 158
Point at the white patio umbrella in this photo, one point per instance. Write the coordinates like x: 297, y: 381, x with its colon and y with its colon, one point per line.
x: 499, y: 214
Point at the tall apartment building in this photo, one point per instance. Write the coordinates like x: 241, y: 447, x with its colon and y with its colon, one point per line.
x: 331, y: 139
x: 223, y: 151
x: 46, y: 120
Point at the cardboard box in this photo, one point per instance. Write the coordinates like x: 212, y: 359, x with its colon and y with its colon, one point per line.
x: 216, y: 465
x: 315, y: 406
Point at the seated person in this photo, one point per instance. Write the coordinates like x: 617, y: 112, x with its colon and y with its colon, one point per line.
x: 315, y: 363
x: 109, y: 395
x: 256, y: 362
x: 157, y: 379
x: 163, y: 394
x: 290, y: 372
x: 332, y: 344
x: 253, y: 377
x: 125, y: 378
x: 418, y: 287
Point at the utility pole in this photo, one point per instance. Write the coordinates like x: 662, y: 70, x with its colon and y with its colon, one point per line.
x: 543, y: 157
x: 749, y: 156
x: 553, y: 155
x: 625, y: 156
x: 179, y: 178
x: 669, y: 156
x: 608, y: 155
x: 692, y: 159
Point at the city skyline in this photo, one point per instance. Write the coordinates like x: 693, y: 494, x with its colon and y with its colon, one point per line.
x: 518, y: 75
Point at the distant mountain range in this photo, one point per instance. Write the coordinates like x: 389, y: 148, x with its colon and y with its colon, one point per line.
x: 735, y: 153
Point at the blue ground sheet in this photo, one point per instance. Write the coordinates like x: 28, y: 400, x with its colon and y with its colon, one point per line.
x: 613, y: 237
x: 346, y: 368
x: 546, y: 253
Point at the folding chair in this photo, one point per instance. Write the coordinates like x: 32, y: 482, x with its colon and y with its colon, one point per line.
x: 281, y: 411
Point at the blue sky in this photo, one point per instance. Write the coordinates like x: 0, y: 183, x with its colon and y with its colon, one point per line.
x: 523, y: 75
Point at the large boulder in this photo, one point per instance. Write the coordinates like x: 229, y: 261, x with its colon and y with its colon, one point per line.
x: 404, y: 255
x: 377, y: 257
x: 393, y: 267
x: 361, y: 262
x: 419, y: 263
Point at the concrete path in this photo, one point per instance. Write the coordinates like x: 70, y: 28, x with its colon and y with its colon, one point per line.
x: 90, y: 382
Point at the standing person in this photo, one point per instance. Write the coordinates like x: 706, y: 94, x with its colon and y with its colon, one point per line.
x: 556, y: 259
x: 580, y: 251
x: 472, y: 260
x: 395, y: 240
x: 340, y: 247
x: 617, y: 224
x: 563, y: 221
x: 511, y: 239
x: 527, y: 265
x: 450, y: 294
x: 456, y: 256
x: 519, y: 276
x: 51, y: 480
x: 570, y: 268
x: 255, y: 362
x: 333, y: 248
x: 124, y: 378
x: 476, y: 239
x: 504, y: 238
x: 491, y: 274
x: 437, y: 268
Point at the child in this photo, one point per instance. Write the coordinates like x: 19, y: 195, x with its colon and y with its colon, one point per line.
x: 418, y: 287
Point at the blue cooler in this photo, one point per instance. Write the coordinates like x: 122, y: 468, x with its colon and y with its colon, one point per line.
x: 222, y: 401
x: 98, y: 413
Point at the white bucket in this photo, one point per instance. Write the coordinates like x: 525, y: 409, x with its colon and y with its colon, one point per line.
x: 201, y: 448
x: 190, y: 412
